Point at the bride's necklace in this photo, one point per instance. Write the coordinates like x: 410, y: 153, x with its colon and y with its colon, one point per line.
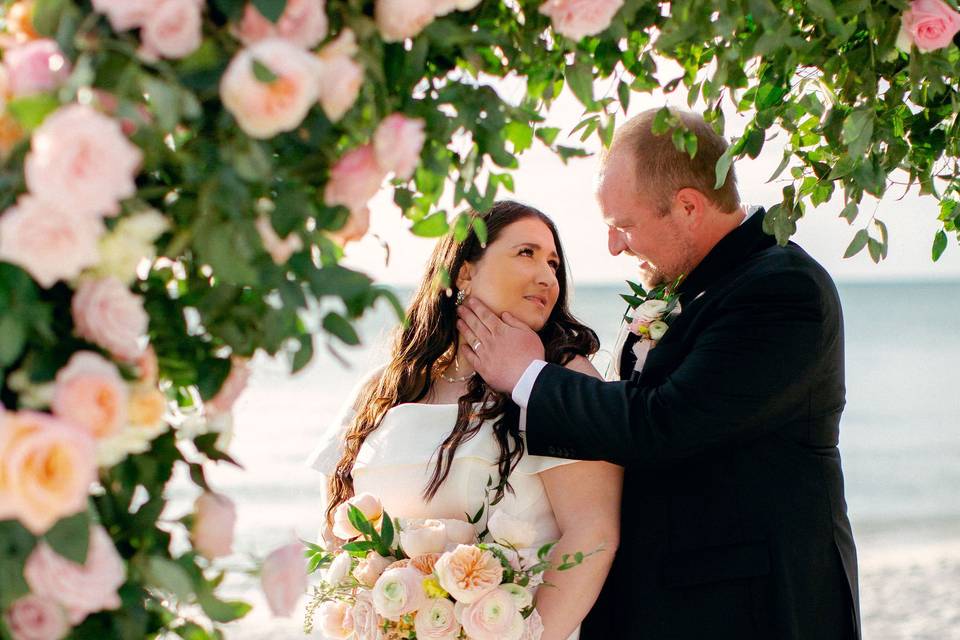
x: 451, y: 379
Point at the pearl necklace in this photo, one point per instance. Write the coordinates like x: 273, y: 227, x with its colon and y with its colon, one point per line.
x: 451, y: 379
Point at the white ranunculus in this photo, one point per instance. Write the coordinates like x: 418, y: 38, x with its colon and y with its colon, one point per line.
x: 338, y: 570
x: 650, y: 310
x: 657, y: 329
x: 511, y: 531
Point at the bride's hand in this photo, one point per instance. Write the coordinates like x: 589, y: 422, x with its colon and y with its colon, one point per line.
x: 499, y: 349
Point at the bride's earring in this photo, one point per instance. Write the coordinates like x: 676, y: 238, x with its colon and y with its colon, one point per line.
x: 461, y: 296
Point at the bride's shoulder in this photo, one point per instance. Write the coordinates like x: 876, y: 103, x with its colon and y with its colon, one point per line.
x: 581, y: 364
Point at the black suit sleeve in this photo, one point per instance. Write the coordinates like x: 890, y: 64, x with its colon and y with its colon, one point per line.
x: 752, y: 367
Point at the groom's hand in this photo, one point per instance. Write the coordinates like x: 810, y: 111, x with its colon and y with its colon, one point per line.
x: 499, y: 349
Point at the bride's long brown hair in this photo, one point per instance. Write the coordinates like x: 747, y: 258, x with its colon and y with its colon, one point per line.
x: 428, y: 343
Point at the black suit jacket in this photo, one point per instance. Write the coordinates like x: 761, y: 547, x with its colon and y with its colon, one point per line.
x: 734, y: 521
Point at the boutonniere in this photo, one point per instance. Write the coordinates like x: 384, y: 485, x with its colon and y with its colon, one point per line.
x: 649, y: 314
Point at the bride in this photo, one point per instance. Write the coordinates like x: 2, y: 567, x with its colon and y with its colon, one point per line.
x: 426, y: 435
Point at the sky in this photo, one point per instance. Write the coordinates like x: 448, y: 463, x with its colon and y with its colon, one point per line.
x: 567, y: 194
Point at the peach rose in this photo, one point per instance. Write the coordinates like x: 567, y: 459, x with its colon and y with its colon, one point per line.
x: 419, y: 537
x: 80, y: 160
x: 146, y: 410
x: 493, y: 617
x: 81, y: 589
x: 336, y: 620
x: 279, y: 249
x: 510, y: 531
x: 929, y: 24
x: 340, y: 76
x: 173, y: 29
x: 34, y: 618
x: 48, y: 242
x: 398, y: 142
x: 212, y: 532
x: 148, y: 366
x: 368, y: 505
x: 106, y: 313
x: 264, y: 109
x: 46, y: 467
x: 398, y: 20
x: 577, y: 19
x: 467, y: 573
x: 436, y: 621
x: 124, y: 14
x: 371, y: 568
x: 89, y: 392
x: 303, y: 23
x: 354, y: 179
x: 35, y: 67
x: 147, y: 406
x: 284, y: 578
x: 232, y: 387
x: 398, y: 592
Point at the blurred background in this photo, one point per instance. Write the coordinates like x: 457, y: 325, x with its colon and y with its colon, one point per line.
x: 900, y: 435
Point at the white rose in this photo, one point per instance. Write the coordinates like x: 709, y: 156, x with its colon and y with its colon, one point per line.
x: 657, y: 329
x: 650, y: 310
x: 338, y: 570
x: 511, y: 531
x: 521, y: 596
x: 459, y: 532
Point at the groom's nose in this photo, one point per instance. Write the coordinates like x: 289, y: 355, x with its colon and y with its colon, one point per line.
x: 615, y: 242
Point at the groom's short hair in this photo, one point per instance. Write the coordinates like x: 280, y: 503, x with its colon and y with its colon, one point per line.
x: 662, y: 169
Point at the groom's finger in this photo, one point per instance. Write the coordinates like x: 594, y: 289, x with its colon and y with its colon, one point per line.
x: 483, y: 314
x: 480, y: 330
x: 468, y: 336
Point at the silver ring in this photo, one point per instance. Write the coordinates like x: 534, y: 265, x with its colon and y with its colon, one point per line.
x: 477, y: 346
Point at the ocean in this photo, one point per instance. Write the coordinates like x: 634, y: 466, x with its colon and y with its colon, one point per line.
x: 900, y: 442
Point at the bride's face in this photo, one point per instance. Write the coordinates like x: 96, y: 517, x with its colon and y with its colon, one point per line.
x: 517, y: 273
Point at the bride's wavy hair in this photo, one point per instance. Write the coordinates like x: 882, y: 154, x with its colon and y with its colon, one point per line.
x: 427, y: 343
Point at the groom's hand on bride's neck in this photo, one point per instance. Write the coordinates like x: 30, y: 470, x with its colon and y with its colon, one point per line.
x: 499, y: 348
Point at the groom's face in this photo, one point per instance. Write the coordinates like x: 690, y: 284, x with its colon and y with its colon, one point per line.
x: 659, y: 241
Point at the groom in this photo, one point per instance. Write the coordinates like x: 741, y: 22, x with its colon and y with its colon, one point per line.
x: 734, y: 520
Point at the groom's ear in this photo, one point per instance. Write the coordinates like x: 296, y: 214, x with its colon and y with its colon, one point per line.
x: 692, y: 206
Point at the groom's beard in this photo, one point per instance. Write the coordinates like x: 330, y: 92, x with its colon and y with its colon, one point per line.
x: 651, y: 276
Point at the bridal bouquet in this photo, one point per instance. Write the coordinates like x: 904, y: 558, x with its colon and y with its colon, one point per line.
x: 429, y: 579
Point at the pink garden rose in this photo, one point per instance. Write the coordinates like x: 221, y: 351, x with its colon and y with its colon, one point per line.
x: 124, y: 14
x: 398, y: 20
x: 493, y: 617
x: 303, y: 23
x: 368, y: 505
x: 420, y: 537
x: 398, y: 592
x: 108, y: 314
x: 365, y: 618
x: 929, y: 24
x: 371, y: 568
x: 48, y: 242
x: 340, y: 76
x: 46, y: 467
x: 80, y: 589
x: 264, y: 109
x: 35, y: 67
x: 90, y: 393
x: 467, y: 573
x: 437, y: 621
x: 336, y: 620
x: 34, y: 618
x: 577, y: 19
x: 284, y: 578
x: 354, y: 179
x: 81, y: 161
x: 398, y: 142
x: 214, y: 520
x: 232, y: 387
x: 173, y: 29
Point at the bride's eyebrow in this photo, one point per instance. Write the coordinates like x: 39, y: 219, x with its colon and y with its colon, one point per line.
x: 535, y: 247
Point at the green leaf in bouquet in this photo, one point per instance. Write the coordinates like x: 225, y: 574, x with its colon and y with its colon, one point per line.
x: 386, y: 535
x: 360, y: 548
x: 544, y: 551
x: 70, y: 537
x: 31, y: 111
x: 263, y: 73
x: 13, y: 338
x: 633, y: 301
x: 477, y: 516
x: 637, y: 289
x: 360, y: 522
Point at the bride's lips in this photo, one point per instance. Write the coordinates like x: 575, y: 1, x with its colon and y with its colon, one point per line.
x: 539, y: 300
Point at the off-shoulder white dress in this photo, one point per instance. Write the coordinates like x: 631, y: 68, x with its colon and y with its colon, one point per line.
x: 396, y: 461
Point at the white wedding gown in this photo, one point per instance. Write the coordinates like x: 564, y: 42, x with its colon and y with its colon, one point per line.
x: 396, y: 461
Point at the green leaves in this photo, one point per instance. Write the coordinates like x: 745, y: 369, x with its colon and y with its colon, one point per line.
x: 859, y: 241
x: 939, y: 244
x: 70, y: 537
x: 579, y: 77
x: 30, y: 111
x: 858, y: 131
x: 271, y: 9
x: 263, y: 73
